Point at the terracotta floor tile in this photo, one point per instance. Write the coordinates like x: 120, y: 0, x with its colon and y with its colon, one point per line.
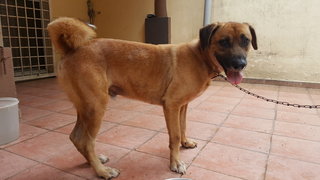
x: 47, y: 83
x: 297, y: 90
x: 224, y: 100
x: 282, y: 168
x: 271, y: 94
x: 42, y: 147
x: 296, y: 110
x: 52, y: 121
x: 315, y: 98
x: 140, y: 166
x: 132, y: 105
x: 314, y: 91
x: 117, y: 101
x: 57, y: 95
x: 258, y: 103
x: 156, y: 110
x: 126, y: 136
x: 232, y: 161
x: 196, y: 173
x: 219, y: 84
x: 206, y: 116
x: 199, y: 130
x: 118, y: 116
x: 301, y: 118
x: 211, y: 90
x: 34, y: 91
x: 298, y: 95
x: 194, y: 103
x: 68, y: 128
x: 12, y: 164
x: 229, y: 91
x: 254, y: 112
x: 158, y: 146
x: 243, y: 139
x: 44, y: 172
x: 73, y: 162
x: 237, y: 151
x: 57, y: 106
x: 265, y: 87
x: 215, y: 107
x: 29, y: 113
x: 71, y: 111
x: 300, y: 131
x: 35, y: 101
x: 295, y: 148
x: 26, y: 132
x: 296, y: 99
x: 248, y: 123
x: 147, y: 121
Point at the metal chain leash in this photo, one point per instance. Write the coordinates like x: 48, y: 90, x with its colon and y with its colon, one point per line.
x: 270, y: 100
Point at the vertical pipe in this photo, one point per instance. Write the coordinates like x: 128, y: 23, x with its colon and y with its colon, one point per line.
x: 207, y: 12
x: 160, y: 8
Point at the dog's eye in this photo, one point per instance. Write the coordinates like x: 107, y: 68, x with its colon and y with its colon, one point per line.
x: 244, y: 41
x: 225, y: 43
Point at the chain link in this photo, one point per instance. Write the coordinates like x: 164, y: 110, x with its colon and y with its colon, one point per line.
x: 270, y: 100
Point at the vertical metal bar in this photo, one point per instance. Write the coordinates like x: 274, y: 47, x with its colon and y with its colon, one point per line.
x: 207, y: 12
x: 20, y: 44
x: 36, y: 37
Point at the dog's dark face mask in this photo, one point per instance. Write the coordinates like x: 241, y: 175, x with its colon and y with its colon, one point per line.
x: 228, y: 44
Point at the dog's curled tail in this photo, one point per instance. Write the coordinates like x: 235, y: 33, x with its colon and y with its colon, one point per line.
x: 68, y: 34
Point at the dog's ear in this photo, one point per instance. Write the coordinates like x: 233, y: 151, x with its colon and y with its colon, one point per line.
x: 254, y: 37
x: 206, y: 34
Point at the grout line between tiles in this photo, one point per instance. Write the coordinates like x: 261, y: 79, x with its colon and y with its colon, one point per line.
x: 218, y: 128
x: 271, y: 137
x: 219, y: 172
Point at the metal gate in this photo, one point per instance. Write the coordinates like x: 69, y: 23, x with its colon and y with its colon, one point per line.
x: 23, y: 27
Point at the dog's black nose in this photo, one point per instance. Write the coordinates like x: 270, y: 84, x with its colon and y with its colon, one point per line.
x: 239, y: 64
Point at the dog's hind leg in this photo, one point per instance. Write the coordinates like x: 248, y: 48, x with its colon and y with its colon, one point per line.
x: 91, y: 106
x: 186, y: 143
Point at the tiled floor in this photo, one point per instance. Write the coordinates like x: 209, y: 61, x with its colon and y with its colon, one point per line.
x: 239, y: 137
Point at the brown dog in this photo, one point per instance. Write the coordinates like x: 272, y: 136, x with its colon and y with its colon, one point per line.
x: 93, y: 69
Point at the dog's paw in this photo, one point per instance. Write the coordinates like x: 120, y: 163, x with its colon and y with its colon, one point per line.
x: 178, y: 167
x: 103, y: 159
x: 189, y: 144
x: 108, y: 173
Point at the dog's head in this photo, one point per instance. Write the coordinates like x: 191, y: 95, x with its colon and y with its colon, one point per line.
x: 227, y: 45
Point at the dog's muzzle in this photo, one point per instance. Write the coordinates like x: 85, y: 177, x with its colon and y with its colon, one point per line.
x: 233, y: 67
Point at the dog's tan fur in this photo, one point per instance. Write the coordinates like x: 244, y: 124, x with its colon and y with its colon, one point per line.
x: 168, y: 75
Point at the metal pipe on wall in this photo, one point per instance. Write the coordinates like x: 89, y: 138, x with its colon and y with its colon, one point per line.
x: 207, y: 12
x: 160, y: 8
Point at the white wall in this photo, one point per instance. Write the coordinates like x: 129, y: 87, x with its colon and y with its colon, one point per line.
x: 288, y: 35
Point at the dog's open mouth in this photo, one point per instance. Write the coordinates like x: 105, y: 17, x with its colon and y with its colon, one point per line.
x: 234, y: 77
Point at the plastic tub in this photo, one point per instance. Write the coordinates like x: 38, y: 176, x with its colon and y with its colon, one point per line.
x: 9, y: 120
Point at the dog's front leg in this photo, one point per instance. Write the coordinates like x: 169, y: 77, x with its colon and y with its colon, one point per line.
x: 172, y: 113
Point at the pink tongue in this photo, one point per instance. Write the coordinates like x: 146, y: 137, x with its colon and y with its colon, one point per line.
x: 234, y: 77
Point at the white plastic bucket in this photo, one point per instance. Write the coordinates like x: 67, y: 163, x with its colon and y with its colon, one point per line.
x: 9, y: 120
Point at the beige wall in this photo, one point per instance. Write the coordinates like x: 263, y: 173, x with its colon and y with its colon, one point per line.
x: 186, y: 19
x: 288, y: 36
x: 69, y: 8
x: 122, y: 19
